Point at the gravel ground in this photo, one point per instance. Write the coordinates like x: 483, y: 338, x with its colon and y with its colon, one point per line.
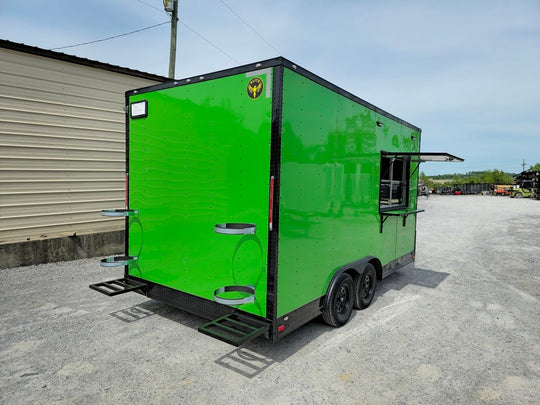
x: 463, y: 327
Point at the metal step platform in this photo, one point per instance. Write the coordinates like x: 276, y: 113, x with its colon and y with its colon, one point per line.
x: 119, y: 286
x: 235, y: 329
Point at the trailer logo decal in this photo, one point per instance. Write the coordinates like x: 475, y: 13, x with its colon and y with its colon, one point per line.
x: 255, y: 87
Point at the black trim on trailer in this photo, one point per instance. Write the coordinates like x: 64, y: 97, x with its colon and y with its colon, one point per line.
x: 269, y: 63
x: 302, y: 315
x: 126, y: 232
x: 407, y: 169
x: 294, y: 319
x: 276, y: 328
x: 311, y: 310
x: 201, y: 307
x: 193, y: 304
x: 325, y: 83
x: 275, y: 171
x: 397, y: 264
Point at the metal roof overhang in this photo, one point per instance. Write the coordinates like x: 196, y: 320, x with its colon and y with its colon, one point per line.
x: 425, y: 156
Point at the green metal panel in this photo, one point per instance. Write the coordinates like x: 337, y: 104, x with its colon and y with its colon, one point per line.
x: 329, y: 190
x: 200, y: 158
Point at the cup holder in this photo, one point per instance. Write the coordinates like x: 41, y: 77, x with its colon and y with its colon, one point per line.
x: 248, y: 289
x: 235, y: 229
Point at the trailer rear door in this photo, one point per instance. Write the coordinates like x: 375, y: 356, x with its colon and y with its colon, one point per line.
x: 198, y: 165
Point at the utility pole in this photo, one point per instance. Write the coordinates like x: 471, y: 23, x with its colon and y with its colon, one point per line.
x: 523, y: 164
x: 171, y: 6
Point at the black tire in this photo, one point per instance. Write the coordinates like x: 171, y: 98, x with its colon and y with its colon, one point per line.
x: 519, y: 195
x: 340, y: 301
x: 364, y: 288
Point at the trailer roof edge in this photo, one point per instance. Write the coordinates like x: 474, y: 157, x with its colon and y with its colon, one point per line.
x: 268, y: 63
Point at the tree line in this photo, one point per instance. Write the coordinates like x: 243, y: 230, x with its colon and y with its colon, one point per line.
x: 494, y: 176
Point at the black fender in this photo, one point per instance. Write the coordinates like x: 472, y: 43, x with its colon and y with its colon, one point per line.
x: 355, y: 269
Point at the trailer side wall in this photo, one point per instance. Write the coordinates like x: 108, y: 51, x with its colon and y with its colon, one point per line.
x: 329, y: 190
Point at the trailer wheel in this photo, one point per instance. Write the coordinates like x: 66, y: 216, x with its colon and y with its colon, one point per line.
x: 364, y: 289
x: 340, y: 301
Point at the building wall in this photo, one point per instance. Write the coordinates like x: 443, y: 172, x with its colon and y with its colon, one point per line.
x: 62, y: 142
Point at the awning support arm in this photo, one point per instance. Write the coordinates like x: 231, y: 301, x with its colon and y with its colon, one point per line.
x: 416, y: 169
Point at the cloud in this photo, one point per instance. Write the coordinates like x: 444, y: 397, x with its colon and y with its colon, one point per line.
x: 466, y: 72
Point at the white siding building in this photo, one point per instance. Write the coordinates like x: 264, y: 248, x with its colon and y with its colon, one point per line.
x: 62, y: 142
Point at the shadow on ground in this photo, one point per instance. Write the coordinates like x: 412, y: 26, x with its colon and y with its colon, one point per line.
x: 258, y: 355
x: 416, y: 276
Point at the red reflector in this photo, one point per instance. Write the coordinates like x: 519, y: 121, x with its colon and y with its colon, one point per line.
x: 281, y: 328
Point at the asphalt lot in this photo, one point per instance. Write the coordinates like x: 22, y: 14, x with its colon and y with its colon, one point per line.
x: 462, y: 328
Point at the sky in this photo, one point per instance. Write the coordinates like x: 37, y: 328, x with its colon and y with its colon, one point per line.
x: 466, y: 72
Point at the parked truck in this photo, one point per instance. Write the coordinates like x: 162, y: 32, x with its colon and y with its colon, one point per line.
x: 526, y: 184
x: 262, y: 197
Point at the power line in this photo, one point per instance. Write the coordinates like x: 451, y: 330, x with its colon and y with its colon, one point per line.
x: 113, y: 37
x: 195, y: 32
x: 249, y: 26
x: 154, y: 7
x: 207, y: 41
x: 157, y: 25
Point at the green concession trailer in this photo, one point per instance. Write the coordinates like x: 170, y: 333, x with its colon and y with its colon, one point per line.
x: 262, y: 197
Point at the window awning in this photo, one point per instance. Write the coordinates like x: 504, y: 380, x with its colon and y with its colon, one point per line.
x: 424, y: 156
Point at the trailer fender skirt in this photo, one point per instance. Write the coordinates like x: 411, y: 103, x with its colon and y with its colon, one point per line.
x: 248, y: 289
